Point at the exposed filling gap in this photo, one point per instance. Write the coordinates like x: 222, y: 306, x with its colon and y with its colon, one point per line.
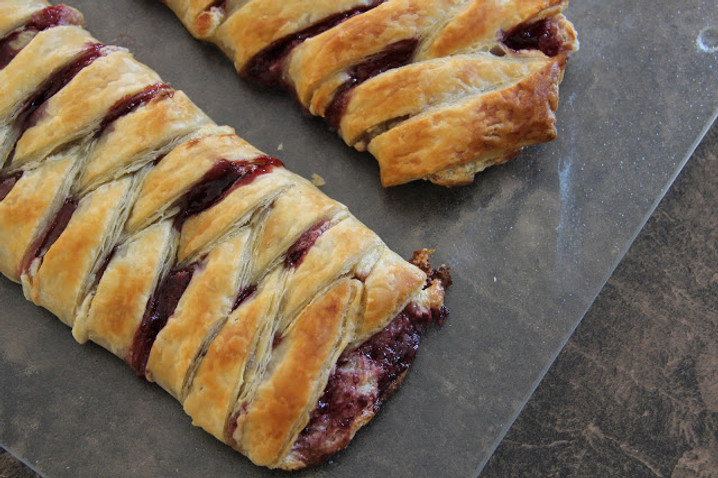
x: 7, y: 183
x: 242, y: 296
x: 298, y: 250
x: 52, y: 232
x: 129, y: 103
x: 393, y: 56
x: 542, y: 35
x: 31, y: 110
x: 159, y: 309
x: 361, y: 381
x: 223, y: 178
x: 49, y: 17
x: 267, y: 67
x: 365, y: 377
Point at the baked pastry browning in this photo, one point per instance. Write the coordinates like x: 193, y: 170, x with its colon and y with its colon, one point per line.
x: 434, y: 89
x: 278, y: 320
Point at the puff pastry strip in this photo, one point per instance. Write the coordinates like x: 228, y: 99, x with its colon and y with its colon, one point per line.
x: 208, y: 267
x: 434, y: 89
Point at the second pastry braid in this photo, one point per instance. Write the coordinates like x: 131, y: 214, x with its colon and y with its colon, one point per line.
x: 435, y: 90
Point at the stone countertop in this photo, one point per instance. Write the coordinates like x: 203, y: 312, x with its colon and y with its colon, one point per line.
x: 635, y: 390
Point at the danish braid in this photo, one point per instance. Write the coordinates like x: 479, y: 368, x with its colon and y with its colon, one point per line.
x: 206, y: 265
x: 434, y: 89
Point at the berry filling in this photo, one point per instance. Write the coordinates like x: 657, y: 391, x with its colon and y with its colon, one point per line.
x: 267, y: 67
x: 12, y: 43
x: 130, y: 103
x: 301, y: 247
x: 542, y: 35
x: 52, y: 232
x: 393, y: 56
x: 7, y: 183
x: 244, y: 294
x: 224, y: 177
x: 31, y: 110
x: 362, y: 380
x: 160, y: 308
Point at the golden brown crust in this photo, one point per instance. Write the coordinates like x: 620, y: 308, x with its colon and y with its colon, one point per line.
x: 77, y: 109
x: 408, y: 91
x: 221, y: 372
x: 360, y: 37
x: 242, y: 36
x: 118, y: 303
x: 27, y: 209
x: 154, y: 129
x: 49, y: 50
x: 198, y: 16
x: 479, y: 25
x: 388, y: 288
x: 206, y: 265
x: 503, y: 120
x: 446, y: 52
x: 298, y: 371
x: 59, y: 279
x: 14, y: 13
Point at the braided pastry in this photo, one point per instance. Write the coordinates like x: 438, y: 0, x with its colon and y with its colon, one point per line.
x: 277, y: 319
x: 434, y: 89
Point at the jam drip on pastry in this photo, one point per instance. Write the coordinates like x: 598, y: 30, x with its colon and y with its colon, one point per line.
x: 32, y: 109
x: 224, y: 177
x: 395, y: 55
x: 299, y: 249
x: 160, y: 307
x: 7, y: 183
x: 51, y: 233
x: 266, y: 68
x: 49, y: 17
x: 132, y: 102
x: 542, y: 35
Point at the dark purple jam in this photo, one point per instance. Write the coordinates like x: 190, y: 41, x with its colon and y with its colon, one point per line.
x: 244, y: 294
x: 541, y: 35
x: 224, y: 177
x: 393, y: 56
x: 31, y: 111
x: 130, y: 103
x: 159, y: 309
x: 7, y: 183
x: 44, y: 19
x: 54, y: 16
x: 52, y: 232
x: 103, y: 267
x: 299, y: 249
x: 362, y: 380
x: 267, y: 67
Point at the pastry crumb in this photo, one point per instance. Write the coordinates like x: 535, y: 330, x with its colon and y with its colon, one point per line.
x: 317, y: 180
x: 280, y: 147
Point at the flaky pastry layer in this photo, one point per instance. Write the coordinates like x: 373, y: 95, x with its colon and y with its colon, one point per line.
x: 206, y: 265
x: 379, y: 70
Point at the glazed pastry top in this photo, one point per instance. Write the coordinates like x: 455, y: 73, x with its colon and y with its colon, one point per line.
x: 483, y: 74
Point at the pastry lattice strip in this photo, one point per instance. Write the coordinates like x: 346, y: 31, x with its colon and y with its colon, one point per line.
x: 207, y: 266
x: 434, y: 89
